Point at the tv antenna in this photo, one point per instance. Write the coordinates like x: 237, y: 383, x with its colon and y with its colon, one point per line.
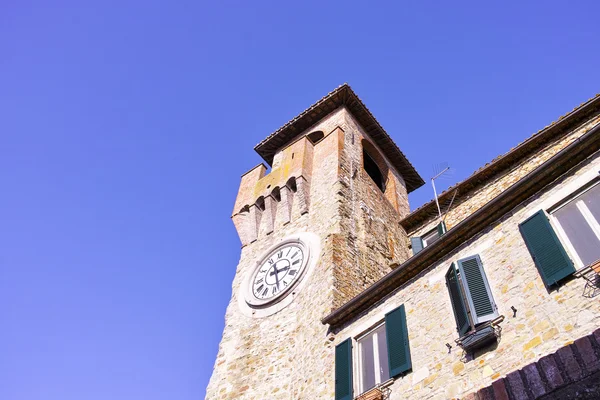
x: 441, y: 170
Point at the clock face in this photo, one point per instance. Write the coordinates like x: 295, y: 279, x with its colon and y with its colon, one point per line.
x: 277, y: 273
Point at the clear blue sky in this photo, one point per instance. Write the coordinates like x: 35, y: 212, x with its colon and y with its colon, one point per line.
x: 126, y: 125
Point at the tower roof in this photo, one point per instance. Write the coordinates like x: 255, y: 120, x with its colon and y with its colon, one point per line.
x: 342, y: 96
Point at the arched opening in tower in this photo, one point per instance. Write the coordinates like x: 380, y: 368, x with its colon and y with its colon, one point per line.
x: 373, y: 170
x: 315, y: 136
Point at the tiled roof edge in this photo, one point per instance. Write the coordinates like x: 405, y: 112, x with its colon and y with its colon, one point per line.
x: 342, y: 96
x: 484, y: 174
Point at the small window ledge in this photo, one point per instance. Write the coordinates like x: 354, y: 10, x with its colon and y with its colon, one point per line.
x: 591, y: 274
x: 382, y: 390
x: 593, y: 268
x: 372, y: 394
x: 482, y: 335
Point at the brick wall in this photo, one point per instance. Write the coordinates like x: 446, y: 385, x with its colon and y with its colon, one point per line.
x: 572, y: 372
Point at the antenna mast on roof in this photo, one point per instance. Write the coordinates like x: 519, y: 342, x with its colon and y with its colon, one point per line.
x: 445, y: 168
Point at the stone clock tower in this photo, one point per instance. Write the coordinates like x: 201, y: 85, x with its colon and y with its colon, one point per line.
x: 316, y: 230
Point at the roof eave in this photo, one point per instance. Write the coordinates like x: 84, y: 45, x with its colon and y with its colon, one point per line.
x: 342, y: 96
x: 422, y: 214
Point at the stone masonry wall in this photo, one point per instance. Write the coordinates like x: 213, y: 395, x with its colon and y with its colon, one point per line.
x: 544, y: 322
x: 477, y: 199
x: 266, y: 358
x: 371, y: 239
x: 287, y: 355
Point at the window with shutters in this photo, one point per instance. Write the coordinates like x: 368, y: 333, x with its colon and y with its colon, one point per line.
x: 373, y: 367
x: 380, y: 354
x: 419, y: 243
x: 577, y: 221
x: 470, y: 295
x: 430, y: 237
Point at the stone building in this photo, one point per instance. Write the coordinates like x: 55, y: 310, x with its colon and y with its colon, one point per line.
x: 341, y: 292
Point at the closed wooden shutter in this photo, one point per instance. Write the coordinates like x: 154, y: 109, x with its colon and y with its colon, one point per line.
x: 397, y: 341
x: 416, y: 244
x: 548, y: 254
x: 477, y: 289
x: 456, y: 299
x: 343, y: 370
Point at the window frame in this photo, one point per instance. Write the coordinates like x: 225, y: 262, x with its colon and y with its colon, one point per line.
x: 358, y: 367
x: 424, y: 237
x: 555, y: 223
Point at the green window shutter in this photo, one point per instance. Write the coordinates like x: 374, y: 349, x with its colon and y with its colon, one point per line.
x: 477, y: 289
x: 343, y: 370
x: 416, y: 244
x: 441, y: 228
x: 549, y: 255
x: 456, y: 299
x: 397, y: 341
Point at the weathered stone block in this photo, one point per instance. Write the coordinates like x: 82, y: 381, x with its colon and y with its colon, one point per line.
x: 486, y: 394
x: 516, y: 386
x: 533, y: 380
x: 571, y: 367
x: 500, y: 392
x: 588, y: 355
x: 551, y: 371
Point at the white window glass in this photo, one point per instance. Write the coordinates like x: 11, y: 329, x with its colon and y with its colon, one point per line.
x: 430, y: 238
x: 367, y: 362
x: 591, y: 198
x: 384, y: 369
x: 373, y: 359
x: 579, y: 220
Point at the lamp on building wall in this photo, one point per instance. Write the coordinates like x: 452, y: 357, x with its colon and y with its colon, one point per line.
x: 514, y: 310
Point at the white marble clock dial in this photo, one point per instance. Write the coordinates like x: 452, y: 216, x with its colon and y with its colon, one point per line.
x: 278, y: 272
x: 275, y: 279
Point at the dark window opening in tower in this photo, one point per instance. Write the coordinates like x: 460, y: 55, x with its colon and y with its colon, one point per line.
x: 260, y: 203
x: 315, y: 136
x: 276, y: 194
x: 292, y: 184
x: 373, y: 170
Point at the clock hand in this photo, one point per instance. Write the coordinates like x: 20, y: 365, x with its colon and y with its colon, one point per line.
x: 276, y: 277
x: 279, y: 270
